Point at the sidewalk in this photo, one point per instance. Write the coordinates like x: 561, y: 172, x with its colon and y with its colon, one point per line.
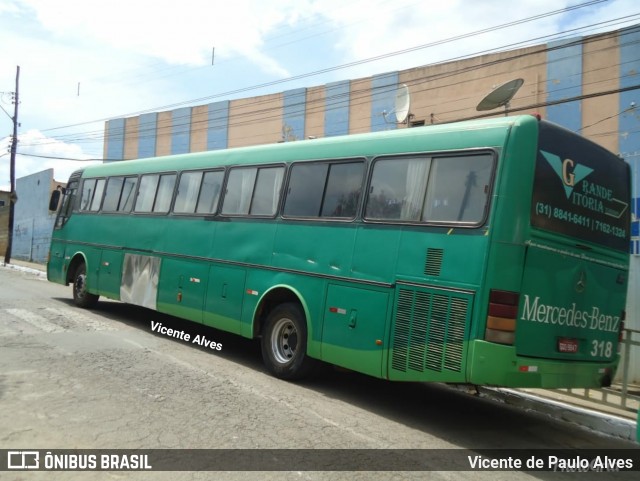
x: 588, y: 412
x: 35, y: 268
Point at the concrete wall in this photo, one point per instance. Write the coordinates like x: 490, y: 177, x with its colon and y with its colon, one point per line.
x: 256, y: 120
x: 33, y: 223
x: 199, y: 123
x: 315, y: 120
x: 131, y: 136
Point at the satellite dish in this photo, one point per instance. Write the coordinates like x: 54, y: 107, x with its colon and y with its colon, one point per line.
x: 500, y: 96
x: 402, y: 104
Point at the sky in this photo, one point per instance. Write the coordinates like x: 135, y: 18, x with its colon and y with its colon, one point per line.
x: 85, y: 61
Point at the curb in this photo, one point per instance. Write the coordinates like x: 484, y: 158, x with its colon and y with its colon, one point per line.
x: 608, y: 424
x: 37, y: 272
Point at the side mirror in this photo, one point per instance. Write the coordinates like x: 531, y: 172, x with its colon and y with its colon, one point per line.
x: 54, y: 200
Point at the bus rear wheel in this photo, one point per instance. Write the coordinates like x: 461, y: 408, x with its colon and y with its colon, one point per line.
x: 284, y: 343
x: 81, y: 297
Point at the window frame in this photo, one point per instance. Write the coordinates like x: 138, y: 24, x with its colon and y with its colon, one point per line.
x: 195, y: 213
x: 124, y: 180
x: 155, y: 196
x: 433, y: 157
x: 92, y: 200
x: 349, y: 160
x: 69, y: 201
x: 225, y: 186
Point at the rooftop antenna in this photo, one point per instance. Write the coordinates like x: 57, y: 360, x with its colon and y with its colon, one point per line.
x: 401, y: 108
x: 500, y: 96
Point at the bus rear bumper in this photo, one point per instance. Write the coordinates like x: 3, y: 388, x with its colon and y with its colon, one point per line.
x: 498, y: 365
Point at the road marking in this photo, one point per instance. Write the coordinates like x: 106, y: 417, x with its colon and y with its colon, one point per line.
x: 82, y: 320
x: 35, y: 320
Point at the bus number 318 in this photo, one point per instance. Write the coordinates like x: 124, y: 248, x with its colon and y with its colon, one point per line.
x: 601, y: 348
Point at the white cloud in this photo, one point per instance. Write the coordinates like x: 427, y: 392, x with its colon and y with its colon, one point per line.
x: 37, y: 152
x: 369, y: 30
x: 176, y: 32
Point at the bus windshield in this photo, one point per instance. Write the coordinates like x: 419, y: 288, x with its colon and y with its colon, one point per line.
x: 580, y: 190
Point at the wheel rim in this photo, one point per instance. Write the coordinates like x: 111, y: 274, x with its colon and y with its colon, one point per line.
x: 79, y: 286
x: 284, y: 340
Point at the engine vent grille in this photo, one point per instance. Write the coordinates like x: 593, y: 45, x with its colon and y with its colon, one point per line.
x: 433, y: 262
x: 429, y: 330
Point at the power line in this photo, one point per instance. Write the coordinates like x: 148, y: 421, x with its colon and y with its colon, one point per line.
x: 55, y: 157
x: 259, y: 115
x: 256, y: 113
x: 341, y: 67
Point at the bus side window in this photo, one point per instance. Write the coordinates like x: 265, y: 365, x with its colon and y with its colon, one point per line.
x: 88, y: 188
x: 146, y: 193
x: 253, y: 191
x: 92, y: 190
x: 97, y: 196
x: 127, y: 196
x: 342, y: 194
x: 458, y: 189
x: 323, y: 189
x: 210, y: 192
x: 188, y: 189
x: 267, y: 191
x: 306, y: 186
x: 164, y: 194
x: 398, y: 188
x: 237, y: 199
x: 112, y: 194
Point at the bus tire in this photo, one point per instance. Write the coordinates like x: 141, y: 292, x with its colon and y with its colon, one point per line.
x: 284, y: 343
x: 81, y: 297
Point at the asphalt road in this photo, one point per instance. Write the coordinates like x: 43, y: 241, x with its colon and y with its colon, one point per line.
x: 99, y: 379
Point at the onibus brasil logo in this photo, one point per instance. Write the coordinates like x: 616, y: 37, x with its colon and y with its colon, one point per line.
x: 592, y: 196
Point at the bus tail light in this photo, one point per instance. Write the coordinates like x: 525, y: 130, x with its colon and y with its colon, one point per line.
x: 501, y: 318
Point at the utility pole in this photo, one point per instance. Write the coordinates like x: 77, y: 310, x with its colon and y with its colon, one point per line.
x: 14, y: 144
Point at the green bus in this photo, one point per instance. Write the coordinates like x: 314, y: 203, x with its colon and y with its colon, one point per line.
x: 490, y: 252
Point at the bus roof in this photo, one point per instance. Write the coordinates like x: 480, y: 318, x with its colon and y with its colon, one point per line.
x: 480, y: 133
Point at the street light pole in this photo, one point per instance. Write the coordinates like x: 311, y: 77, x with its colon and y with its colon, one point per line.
x: 14, y: 144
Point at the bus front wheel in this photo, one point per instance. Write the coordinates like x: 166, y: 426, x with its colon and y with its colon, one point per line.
x: 284, y: 343
x: 81, y: 297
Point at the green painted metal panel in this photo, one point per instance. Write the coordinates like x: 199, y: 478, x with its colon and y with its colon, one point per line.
x: 225, y: 295
x: 110, y: 273
x: 355, y: 322
x: 566, y: 297
x: 182, y: 287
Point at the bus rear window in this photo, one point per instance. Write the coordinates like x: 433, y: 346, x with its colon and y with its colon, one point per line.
x: 580, y: 189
